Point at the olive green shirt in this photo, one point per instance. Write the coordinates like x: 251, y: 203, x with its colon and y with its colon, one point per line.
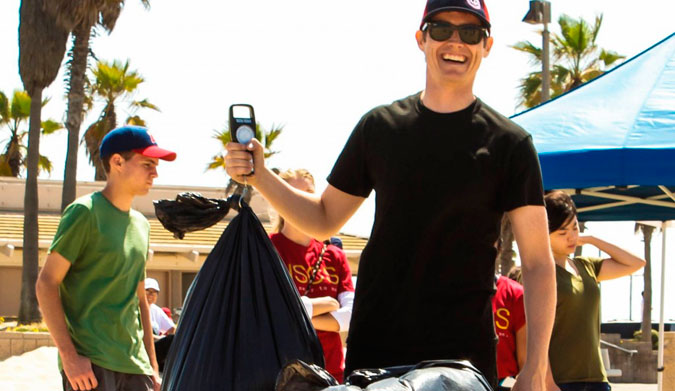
x: 575, y: 342
x: 107, y: 249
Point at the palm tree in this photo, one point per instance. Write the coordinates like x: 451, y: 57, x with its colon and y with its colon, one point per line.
x: 42, y: 45
x: 218, y: 161
x: 646, y: 328
x: 14, y: 115
x: 576, y: 59
x: 81, y: 17
x: 112, y: 81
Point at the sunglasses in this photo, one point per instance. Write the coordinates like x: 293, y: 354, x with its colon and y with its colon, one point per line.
x: 469, y: 33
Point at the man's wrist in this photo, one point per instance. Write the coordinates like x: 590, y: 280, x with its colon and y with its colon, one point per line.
x: 67, y: 352
x: 260, y: 175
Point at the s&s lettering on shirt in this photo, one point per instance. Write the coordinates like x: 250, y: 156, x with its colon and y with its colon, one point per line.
x: 509, y: 316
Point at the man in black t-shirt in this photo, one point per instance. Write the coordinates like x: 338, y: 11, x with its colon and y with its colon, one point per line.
x: 426, y: 275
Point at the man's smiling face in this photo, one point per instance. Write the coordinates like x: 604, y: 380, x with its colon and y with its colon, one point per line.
x: 453, y: 61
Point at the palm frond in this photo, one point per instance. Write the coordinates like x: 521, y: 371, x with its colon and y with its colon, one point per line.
x: 529, y: 88
x: 50, y: 126
x: 20, y: 105
x: 144, y: 104
x: 109, y: 13
x: 4, y: 108
x: 92, y: 138
x: 272, y: 135
x: 590, y: 74
x: 595, y: 30
x: 259, y: 131
x: 610, y: 57
x: 224, y: 136
x: 44, y: 164
x: 529, y: 48
x: 218, y: 161
x: 268, y: 154
x: 5, y: 169
x: 69, y: 13
x: 114, y: 79
x: 135, y: 120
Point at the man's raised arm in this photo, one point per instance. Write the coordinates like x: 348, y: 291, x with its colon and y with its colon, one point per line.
x: 318, y: 215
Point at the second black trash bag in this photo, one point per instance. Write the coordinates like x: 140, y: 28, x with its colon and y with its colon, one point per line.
x: 433, y: 375
x: 243, y: 319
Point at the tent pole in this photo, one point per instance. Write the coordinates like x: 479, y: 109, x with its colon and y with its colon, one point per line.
x: 661, y: 327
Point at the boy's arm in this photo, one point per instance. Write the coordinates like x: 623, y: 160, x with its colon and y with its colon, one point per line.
x: 77, y: 368
x: 148, y: 339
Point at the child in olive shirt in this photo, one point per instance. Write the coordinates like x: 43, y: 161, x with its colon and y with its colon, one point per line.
x: 576, y: 362
x: 91, y: 288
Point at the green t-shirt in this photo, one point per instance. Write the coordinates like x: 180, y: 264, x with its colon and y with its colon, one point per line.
x: 575, y: 342
x: 107, y: 249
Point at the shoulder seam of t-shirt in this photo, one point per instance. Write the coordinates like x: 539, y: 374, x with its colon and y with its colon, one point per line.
x: 84, y: 210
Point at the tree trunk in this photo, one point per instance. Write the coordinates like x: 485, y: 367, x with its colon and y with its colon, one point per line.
x: 99, y: 172
x: 78, y: 68
x: 29, y: 311
x: 505, y: 255
x: 110, y: 123
x: 646, y: 328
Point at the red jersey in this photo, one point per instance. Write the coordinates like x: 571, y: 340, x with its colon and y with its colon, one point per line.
x: 509, y: 316
x: 333, y: 278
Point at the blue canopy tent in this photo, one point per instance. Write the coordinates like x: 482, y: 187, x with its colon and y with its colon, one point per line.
x: 611, y: 144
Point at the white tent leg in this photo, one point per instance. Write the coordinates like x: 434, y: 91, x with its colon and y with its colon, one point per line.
x: 661, y: 312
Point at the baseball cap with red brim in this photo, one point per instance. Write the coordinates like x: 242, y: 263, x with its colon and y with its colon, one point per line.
x: 133, y: 138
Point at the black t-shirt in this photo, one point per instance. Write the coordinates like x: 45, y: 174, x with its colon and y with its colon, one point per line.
x: 442, y: 183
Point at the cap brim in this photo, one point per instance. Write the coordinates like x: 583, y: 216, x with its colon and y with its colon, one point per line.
x: 157, y: 152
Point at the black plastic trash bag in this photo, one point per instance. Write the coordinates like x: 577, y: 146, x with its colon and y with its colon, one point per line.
x: 190, y: 212
x: 449, y: 375
x: 243, y: 320
x: 300, y: 376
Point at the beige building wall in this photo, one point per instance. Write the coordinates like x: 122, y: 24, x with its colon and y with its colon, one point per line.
x: 10, y: 290
x: 173, y: 265
x: 162, y: 267
x: 49, y: 196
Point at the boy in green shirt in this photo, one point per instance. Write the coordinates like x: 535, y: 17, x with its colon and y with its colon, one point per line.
x: 91, y: 289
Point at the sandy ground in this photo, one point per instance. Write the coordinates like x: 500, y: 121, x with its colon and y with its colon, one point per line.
x: 32, y: 371
x: 37, y: 371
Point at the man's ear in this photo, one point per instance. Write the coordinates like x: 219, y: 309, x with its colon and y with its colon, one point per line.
x: 116, y: 160
x: 487, y: 46
x: 420, y: 38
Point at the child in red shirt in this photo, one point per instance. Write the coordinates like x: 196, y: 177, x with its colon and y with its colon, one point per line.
x: 509, y: 317
x: 328, y: 297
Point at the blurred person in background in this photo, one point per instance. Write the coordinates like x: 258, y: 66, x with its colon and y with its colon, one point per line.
x: 321, y: 274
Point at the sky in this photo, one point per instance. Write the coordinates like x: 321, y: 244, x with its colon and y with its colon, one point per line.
x: 314, y: 67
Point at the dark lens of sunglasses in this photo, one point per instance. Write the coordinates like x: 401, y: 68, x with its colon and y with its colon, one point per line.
x: 440, y: 33
x: 471, y: 35
x: 468, y: 34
